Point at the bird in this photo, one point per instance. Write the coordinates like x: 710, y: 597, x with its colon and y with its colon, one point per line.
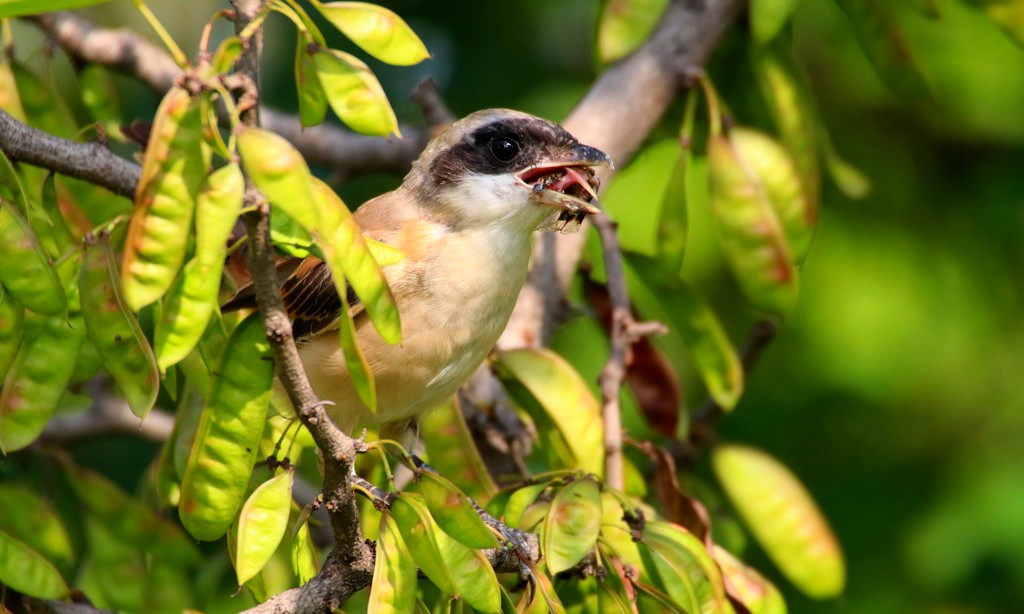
x: 464, y: 216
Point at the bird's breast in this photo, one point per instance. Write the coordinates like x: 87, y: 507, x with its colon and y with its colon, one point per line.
x: 455, y: 292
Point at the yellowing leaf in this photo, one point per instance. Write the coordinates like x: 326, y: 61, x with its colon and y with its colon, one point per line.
x: 572, y: 525
x: 17, y: 8
x: 354, y: 93
x: 281, y: 173
x: 783, y: 518
x: 262, y: 524
x: 377, y: 30
x: 558, y: 395
x: 393, y: 590
x: 748, y: 586
x: 452, y: 451
x: 752, y: 235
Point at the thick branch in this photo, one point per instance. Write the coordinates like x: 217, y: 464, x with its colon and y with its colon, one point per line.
x: 91, y: 162
x: 616, y: 116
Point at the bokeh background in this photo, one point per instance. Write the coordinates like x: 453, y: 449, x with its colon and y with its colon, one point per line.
x: 895, y: 388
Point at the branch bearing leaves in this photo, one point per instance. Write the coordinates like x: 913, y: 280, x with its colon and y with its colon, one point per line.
x: 312, y: 98
x: 354, y: 94
x: 768, y: 17
x: 114, y: 331
x: 26, y: 571
x: 557, y: 395
x: 689, y: 315
x: 453, y: 512
x: 754, y: 240
x: 37, y: 377
x: 453, y: 567
x: 625, y: 24
x: 573, y: 524
x: 25, y: 269
x: 19, y: 8
x: 187, y: 309
x: 783, y: 517
x: 262, y: 524
x: 393, y: 590
x: 230, y: 426
x: 748, y: 586
x: 377, y: 31
x: 172, y: 173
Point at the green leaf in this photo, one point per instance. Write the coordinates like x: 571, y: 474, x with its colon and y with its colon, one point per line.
x: 880, y: 33
x: 519, y: 502
x: 558, y: 395
x: 687, y: 571
x: 393, y: 590
x: 673, y: 301
x: 452, y: 451
x: 305, y: 560
x: 767, y: 18
x: 224, y: 451
x: 227, y: 52
x: 18, y: 8
x: 25, y: 269
x: 752, y: 235
x: 377, y: 30
x: 452, y: 510
x: 281, y: 173
x: 26, y: 571
x: 673, y: 221
x: 572, y: 525
x: 1008, y: 15
x: 100, y: 98
x: 28, y: 518
x: 12, y: 316
x: 114, y: 331
x: 783, y: 517
x: 625, y: 24
x: 312, y: 98
x: 262, y: 524
x: 452, y: 567
x: 354, y: 93
x: 348, y: 251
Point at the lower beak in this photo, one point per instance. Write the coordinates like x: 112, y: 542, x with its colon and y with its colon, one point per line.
x: 568, y: 183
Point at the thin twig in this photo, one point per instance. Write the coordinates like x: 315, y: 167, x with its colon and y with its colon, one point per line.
x: 432, y: 105
x: 624, y: 332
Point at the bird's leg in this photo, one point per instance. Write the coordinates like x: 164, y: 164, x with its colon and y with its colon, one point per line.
x: 381, y: 499
x: 512, y: 537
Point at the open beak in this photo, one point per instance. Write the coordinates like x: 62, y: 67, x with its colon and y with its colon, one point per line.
x: 568, y: 183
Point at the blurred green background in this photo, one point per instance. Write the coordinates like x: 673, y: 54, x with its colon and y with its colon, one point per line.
x: 894, y: 389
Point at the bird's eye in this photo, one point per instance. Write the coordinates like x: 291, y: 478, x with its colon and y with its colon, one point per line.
x: 503, y: 149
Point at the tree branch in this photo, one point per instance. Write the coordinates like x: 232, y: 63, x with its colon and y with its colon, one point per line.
x: 325, y: 145
x: 109, y: 413
x: 90, y: 162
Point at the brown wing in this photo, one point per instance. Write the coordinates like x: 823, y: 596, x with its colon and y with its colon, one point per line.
x: 309, y: 296
x: 307, y: 286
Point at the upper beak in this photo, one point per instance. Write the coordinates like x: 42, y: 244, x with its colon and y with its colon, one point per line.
x: 551, y: 179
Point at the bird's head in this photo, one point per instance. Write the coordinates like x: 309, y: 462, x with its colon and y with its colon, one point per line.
x: 503, y: 167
